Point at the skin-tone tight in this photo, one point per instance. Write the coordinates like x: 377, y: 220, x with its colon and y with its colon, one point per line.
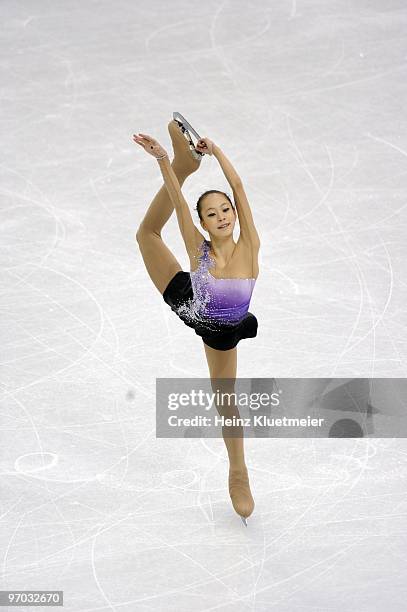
x: 161, y: 265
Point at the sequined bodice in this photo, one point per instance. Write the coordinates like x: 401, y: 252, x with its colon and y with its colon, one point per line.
x: 224, y: 300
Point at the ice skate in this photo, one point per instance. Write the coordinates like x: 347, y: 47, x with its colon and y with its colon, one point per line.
x: 240, y: 494
x: 183, y: 157
x: 187, y: 130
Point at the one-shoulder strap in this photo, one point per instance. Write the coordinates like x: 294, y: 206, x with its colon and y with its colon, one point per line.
x: 206, y: 260
x: 202, y: 256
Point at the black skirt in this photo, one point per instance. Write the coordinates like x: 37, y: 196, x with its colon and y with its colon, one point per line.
x: 219, y: 336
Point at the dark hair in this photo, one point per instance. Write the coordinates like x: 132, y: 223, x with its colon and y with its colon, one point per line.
x: 201, y: 197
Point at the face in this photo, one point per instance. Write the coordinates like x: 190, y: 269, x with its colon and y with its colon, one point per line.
x: 216, y: 211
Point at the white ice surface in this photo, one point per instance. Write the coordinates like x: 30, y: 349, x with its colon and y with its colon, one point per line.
x: 307, y: 98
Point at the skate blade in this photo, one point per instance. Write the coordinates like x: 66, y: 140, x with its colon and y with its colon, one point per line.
x: 188, y: 126
x: 183, y: 125
x: 244, y: 520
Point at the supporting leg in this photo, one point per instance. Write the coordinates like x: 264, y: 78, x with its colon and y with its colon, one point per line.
x: 223, y: 365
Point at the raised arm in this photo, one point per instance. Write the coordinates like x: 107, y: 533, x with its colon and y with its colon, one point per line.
x: 248, y: 230
x: 228, y: 170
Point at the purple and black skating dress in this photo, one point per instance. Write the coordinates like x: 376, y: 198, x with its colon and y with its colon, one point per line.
x: 216, y: 308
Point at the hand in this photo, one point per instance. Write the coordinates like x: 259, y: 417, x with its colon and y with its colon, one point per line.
x: 149, y: 144
x: 205, y: 146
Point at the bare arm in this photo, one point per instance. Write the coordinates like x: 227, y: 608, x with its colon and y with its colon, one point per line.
x: 228, y: 170
x: 248, y: 230
x: 185, y: 221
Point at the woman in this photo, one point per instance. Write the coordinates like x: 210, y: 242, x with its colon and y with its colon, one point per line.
x: 215, y: 304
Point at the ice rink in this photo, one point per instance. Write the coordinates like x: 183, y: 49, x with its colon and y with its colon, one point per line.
x: 307, y: 99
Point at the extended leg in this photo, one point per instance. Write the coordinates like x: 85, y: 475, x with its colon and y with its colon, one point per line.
x: 160, y: 262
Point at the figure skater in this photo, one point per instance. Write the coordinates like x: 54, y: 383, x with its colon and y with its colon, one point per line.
x: 215, y: 304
